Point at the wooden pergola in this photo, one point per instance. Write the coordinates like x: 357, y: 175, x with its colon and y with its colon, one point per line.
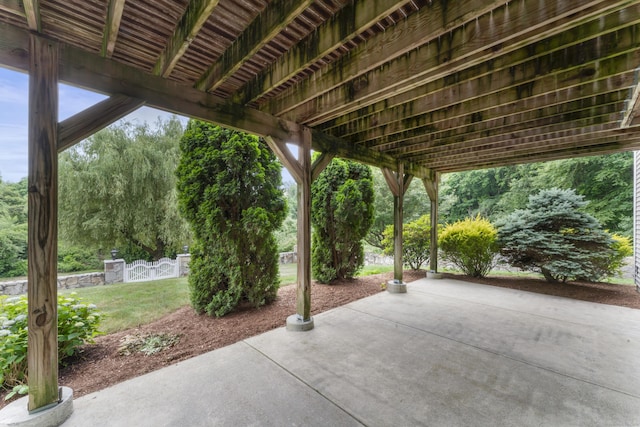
x: 415, y: 87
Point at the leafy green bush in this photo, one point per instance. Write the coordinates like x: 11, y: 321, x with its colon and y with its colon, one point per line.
x: 620, y: 249
x: 77, y: 324
x: 471, y: 244
x: 555, y: 237
x: 76, y: 258
x: 416, y: 245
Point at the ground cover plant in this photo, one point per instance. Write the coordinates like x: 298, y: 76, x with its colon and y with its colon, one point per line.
x: 78, y: 324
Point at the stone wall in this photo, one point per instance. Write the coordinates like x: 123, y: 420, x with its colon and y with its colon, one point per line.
x: 18, y: 287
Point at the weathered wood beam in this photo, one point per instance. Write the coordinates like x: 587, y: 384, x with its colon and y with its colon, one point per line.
x: 329, y: 144
x: 89, y: 121
x: 508, y: 79
x: 535, y: 145
x: 320, y: 164
x: 354, y: 18
x: 303, y: 289
x: 285, y: 156
x: 479, y: 113
x: 503, y: 138
x: 83, y: 69
x: 15, y: 7
x: 197, y: 13
x: 632, y: 109
x: 575, y: 114
x: 486, y: 38
x: 605, y: 146
x: 87, y: 70
x: 398, y: 183
x: 432, y: 185
x: 32, y: 13
x: 112, y: 27
x: 42, y: 229
x: 271, y: 21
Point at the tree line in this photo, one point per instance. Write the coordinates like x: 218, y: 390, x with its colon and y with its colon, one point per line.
x: 118, y: 189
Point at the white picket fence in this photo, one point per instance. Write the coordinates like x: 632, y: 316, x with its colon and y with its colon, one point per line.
x: 141, y: 271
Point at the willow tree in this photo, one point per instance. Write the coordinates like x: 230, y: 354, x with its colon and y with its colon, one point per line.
x: 229, y: 191
x: 117, y: 188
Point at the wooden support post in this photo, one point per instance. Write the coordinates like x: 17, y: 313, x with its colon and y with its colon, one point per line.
x: 42, y: 355
x: 303, y: 294
x: 398, y: 183
x: 431, y: 185
x: 302, y: 172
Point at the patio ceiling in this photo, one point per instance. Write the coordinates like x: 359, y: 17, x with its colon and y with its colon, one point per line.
x: 434, y: 85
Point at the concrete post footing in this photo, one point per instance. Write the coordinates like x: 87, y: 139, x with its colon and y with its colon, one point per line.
x: 16, y: 413
x: 296, y: 323
x: 396, y: 287
x: 433, y: 275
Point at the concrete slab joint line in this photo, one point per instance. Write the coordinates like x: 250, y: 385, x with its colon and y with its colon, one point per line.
x: 16, y: 414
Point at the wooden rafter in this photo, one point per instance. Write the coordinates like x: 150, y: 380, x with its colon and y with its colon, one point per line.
x: 632, y: 109
x: 351, y: 20
x: 197, y: 13
x: 112, y: 27
x: 465, y: 46
x: 32, y: 13
x: 14, y: 7
x: 89, y: 121
x: 507, y: 80
x: 265, y: 27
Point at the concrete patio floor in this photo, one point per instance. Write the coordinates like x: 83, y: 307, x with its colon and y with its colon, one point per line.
x: 447, y: 353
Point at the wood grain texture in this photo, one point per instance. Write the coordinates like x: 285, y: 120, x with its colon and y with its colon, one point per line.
x: 303, y: 290
x: 42, y: 356
x: 89, y: 121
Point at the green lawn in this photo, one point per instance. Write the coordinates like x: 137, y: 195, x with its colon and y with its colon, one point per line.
x: 128, y: 305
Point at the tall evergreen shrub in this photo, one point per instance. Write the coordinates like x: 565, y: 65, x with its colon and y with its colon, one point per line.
x: 341, y: 215
x: 229, y: 190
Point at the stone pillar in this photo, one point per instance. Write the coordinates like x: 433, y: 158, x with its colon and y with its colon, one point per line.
x: 183, y: 264
x: 113, y: 271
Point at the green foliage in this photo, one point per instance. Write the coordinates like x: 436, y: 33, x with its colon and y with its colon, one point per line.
x: 605, y: 181
x: 416, y: 245
x: 118, y: 188
x: 621, y: 248
x: 13, y: 229
x: 287, y: 234
x: 229, y: 191
x: 77, y: 258
x: 416, y: 202
x: 77, y: 324
x: 471, y: 244
x: 341, y: 214
x: 555, y: 237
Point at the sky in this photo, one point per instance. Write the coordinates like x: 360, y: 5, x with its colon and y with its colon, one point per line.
x: 14, y: 99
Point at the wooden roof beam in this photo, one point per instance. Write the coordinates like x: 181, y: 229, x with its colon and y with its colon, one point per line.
x: 83, y: 69
x: 194, y: 17
x: 632, y: 110
x: 32, y: 13
x: 532, y: 122
x: 508, y: 79
x: 464, y: 47
x: 89, y: 121
x: 606, y: 147
x: 15, y: 7
x: 496, y: 144
x: 112, y: 27
x: 263, y: 29
x: 392, y: 43
x: 354, y: 18
x: 530, y: 144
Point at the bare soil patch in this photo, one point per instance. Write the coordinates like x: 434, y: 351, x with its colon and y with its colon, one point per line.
x: 103, y: 364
